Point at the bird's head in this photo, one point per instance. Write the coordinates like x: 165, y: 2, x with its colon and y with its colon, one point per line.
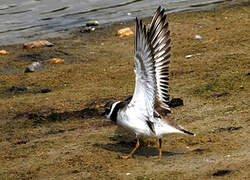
x: 109, y: 110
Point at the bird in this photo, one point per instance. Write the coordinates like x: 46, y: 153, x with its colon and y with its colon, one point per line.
x: 146, y: 112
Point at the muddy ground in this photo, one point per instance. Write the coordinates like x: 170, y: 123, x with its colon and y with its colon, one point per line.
x: 51, y: 125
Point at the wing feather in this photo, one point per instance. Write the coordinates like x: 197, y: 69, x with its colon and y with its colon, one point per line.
x: 158, y: 36
x: 144, y: 94
x: 152, y: 60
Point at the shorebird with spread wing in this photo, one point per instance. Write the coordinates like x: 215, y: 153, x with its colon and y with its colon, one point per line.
x: 146, y: 113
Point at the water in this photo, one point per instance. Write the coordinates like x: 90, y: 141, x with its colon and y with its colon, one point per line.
x: 23, y: 20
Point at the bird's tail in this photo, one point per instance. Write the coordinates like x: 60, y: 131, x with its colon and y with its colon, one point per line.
x: 187, y: 132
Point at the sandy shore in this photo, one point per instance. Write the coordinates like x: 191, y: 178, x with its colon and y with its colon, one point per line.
x: 60, y: 134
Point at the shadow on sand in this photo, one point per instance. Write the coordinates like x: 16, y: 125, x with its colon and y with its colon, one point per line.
x: 125, y: 148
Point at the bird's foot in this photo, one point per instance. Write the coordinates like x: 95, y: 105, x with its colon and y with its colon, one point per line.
x: 126, y: 157
x: 157, y: 157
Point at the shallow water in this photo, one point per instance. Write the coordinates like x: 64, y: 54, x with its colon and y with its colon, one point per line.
x: 21, y: 20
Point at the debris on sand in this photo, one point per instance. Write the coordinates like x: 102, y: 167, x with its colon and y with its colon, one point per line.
x: 221, y: 172
x: 45, y: 90
x: 198, y: 37
x: 188, y: 56
x: 87, y: 29
x: 37, y: 44
x: 34, y: 67
x: 3, y: 52
x: 56, y: 60
x: 175, y: 102
x: 125, y: 32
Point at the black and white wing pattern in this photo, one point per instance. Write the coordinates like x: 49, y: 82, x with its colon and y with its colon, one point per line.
x: 158, y: 37
x: 152, y: 56
x: 145, y: 83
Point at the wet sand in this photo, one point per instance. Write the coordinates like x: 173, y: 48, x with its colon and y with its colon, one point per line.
x: 61, y: 134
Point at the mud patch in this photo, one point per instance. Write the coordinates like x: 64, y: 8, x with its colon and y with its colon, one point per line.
x: 228, y: 129
x: 174, y: 73
x: 44, y: 91
x: 220, y: 94
x: 32, y: 57
x: 222, y: 172
x: 15, y: 89
x: 59, y: 131
x: 18, y: 90
x: 175, y: 102
x: 39, y: 117
x: 53, y: 131
x: 20, y: 142
x: 75, y: 171
x: 200, y: 151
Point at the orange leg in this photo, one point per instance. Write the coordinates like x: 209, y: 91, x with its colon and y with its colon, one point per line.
x: 160, y: 150
x: 133, y: 151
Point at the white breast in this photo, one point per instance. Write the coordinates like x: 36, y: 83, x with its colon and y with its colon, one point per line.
x: 132, y: 120
x: 135, y: 120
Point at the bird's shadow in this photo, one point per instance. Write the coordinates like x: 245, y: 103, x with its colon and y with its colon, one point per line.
x: 124, y: 142
x: 145, y: 151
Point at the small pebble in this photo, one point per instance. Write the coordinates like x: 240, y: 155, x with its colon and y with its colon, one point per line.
x: 34, y: 67
x: 92, y: 23
x: 4, y: 52
x: 188, y: 56
x: 125, y: 32
x: 56, y: 60
x: 198, y: 37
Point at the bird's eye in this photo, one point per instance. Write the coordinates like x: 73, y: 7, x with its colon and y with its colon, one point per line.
x: 107, y: 109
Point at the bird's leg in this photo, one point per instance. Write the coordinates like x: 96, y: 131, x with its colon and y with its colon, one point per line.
x: 133, y: 151
x: 160, y: 150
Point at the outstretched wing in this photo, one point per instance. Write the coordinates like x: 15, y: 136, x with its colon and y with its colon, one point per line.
x: 158, y: 37
x: 145, y: 83
x: 152, y: 56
